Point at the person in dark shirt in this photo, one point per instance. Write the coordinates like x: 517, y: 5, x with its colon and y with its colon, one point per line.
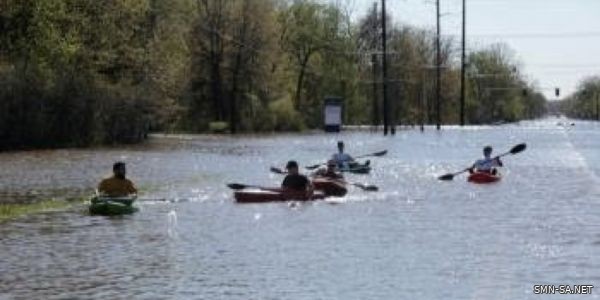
x: 296, y: 181
x: 117, y: 185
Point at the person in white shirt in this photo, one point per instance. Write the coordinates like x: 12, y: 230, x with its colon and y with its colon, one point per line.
x: 343, y: 160
x: 487, y: 164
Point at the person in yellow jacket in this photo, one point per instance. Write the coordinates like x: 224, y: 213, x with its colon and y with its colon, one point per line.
x: 117, y: 185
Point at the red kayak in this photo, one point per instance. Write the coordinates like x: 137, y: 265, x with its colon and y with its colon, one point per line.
x: 482, y: 178
x: 274, y: 195
x: 330, y: 187
x: 324, y: 187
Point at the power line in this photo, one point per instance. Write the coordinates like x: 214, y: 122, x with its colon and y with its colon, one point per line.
x: 534, y: 35
x: 564, y: 66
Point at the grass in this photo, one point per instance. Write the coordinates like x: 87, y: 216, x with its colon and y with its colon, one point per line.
x: 15, y: 210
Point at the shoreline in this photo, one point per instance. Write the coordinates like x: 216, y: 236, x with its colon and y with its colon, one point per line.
x: 189, y: 135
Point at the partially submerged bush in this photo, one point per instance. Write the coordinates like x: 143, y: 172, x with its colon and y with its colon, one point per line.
x: 218, y: 127
x: 284, y: 117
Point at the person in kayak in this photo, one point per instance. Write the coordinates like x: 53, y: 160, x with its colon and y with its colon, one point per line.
x: 487, y: 164
x: 330, y: 172
x: 296, y: 181
x: 343, y: 160
x: 117, y: 185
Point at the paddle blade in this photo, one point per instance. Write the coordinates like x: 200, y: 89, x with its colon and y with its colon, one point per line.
x: 518, y: 148
x: 313, y: 167
x: 381, y: 153
x: 371, y: 188
x: 236, y: 186
x: 277, y: 170
x: 446, y: 177
x: 367, y: 188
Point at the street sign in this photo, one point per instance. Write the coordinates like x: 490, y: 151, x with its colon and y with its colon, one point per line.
x: 332, y: 113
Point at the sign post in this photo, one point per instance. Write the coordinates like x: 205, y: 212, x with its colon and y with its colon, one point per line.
x: 332, y: 113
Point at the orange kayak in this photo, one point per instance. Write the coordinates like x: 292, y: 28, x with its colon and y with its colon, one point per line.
x: 330, y: 187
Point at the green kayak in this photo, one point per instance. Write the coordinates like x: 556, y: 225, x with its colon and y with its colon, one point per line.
x: 358, y: 168
x: 112, y: 206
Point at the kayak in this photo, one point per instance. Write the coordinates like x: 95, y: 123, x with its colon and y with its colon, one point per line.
x: 112, y: 206
x: 363, y: 168
x: 330, y: 187
x: 481, y: 178
x: 274, y: 195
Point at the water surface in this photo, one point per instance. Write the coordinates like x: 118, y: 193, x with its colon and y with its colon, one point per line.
x: 418, y: 238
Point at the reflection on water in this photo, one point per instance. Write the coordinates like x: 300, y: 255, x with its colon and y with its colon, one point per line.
x: 418, y: 238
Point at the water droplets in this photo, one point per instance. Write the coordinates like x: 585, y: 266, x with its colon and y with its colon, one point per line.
x: 172, y: 224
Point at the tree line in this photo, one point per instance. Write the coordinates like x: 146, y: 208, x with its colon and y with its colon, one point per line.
x: 75, y: 72
x: 585, y: 102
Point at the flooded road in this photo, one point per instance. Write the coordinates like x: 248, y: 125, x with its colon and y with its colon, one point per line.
x: 418, y: 238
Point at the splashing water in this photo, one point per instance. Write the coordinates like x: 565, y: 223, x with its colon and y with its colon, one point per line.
x: 172, y: 224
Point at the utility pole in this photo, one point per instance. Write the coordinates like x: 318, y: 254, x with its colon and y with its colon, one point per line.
x: 422, y: 107
x: 438, y: 81
x: 376, y: 110
x: 386, y: 108
x: 597, y: 106
x: 375, y: 70
x: 463, y: 64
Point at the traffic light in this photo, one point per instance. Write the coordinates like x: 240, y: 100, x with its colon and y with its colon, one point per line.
x: 557, y: 92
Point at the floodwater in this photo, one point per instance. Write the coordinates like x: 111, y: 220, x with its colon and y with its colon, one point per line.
x: 417, y: 238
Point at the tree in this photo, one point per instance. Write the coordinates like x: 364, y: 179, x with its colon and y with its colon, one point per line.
x: 585, y: 102
x: 308, y: 28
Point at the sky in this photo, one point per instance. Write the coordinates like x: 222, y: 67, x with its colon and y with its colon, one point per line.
x: 556, y: 42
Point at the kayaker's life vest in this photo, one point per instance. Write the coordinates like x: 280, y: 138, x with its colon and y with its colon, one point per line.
x: 116, y: 187
x: 342, y: 159
x: 331, y: 175
x: 487, y: 164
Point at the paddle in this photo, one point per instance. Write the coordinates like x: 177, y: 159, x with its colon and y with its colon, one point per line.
x: 156, y: 200
x: 364, y: 187
x: 516, y: 149
x: 239, y: 186
x: 375, y: 154
x: 129, y: 199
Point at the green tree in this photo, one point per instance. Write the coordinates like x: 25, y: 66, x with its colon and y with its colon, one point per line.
x: 585, y: 102
x: 308, y: 30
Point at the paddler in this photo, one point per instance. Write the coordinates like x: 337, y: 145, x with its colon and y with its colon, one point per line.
x: 296, y: 181
x: 343, y: 160
x: 117, y: 185
x: 330, y: 172
x: 487, y: 164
